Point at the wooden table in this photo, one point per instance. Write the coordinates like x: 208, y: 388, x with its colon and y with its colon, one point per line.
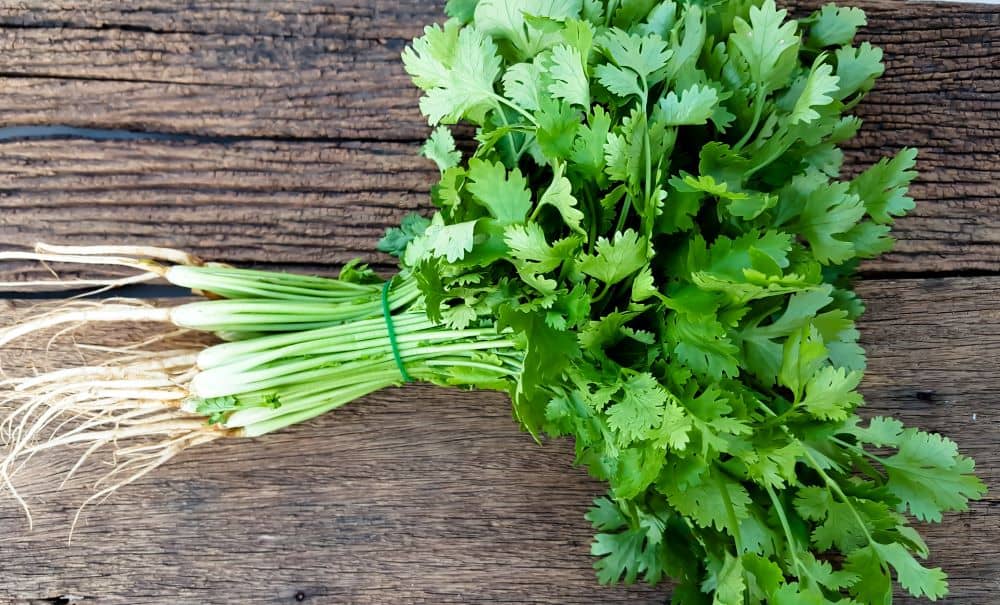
x: 284, y: 135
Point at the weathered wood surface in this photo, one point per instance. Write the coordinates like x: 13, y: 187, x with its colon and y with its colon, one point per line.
x: 426, y: 495
x: 293, y: 137
x: 322, y: 82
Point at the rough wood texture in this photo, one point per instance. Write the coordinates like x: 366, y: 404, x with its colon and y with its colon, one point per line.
x: 284, y: 134
x: 432, y: 496
x: 320, y: 77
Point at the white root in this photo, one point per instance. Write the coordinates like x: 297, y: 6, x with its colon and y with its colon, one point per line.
x: 107, y: 313
x: 170, y: 255
x: 151, y: 262
x: 130, y: 405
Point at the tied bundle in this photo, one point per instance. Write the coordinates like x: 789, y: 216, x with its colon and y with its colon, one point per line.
x: 649, y: 249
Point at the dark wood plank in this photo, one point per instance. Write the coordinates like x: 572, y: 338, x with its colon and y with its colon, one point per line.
x: 318, y: 72
x: 315, y: 205
x: 423, y: 495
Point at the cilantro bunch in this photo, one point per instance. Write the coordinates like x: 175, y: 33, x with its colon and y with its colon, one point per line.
x: 654, y: 213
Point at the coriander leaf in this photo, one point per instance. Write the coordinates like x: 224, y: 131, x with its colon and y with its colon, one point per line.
x: 882, y: 188
x: 605, y: 515
x: 642, y: 55
x: 829, y: 211
x: 558, y: 124
x: 569, y: 77
x: 881, y: 431
x: 619, y: 81
x: 507, y: 20
x: 559, y: 195
x: 705, y: 502
x: 870, y: 239
x: 804, y: 353
x: 640, y: 409
x: 918, y: 580
x: 616, y: 259
x: 702, y: 343
x: 857, y: 69
x: 522, y: 84
x: 643, y: 286
x: 692, y: 107
x: 874, y: 585
x: 588, y: 149
x: 451, y: 242
x: 504, y: 194
x: 729, y: 582
x: 440, y: 148
x: 835, y: 26
x: 929, y: 476
x: 463, y: 10
x: 456, y: 73
x: 621, y: 556
x: 830, y: 393
x: 768, y: 44
x: 396, y: 239
x: 816, y: 93
x: 675, y: 429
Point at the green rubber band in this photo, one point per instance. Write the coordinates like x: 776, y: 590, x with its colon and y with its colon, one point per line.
x: 391, y: 329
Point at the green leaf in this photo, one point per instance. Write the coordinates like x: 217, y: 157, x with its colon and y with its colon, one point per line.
x: 930, y: 477
x: 456, y: 71
x: 730, y: 585
x: 641, y: 55
x: 463, y: 10
x: 527, y: 243
x: 588, y: 149
x: 829, y: 211
x: 693, y: 106
x: 835, y: 26
x: 440, y: 148
x: 616, y: 259
x: 706, y: 501
x: 620, y: 81
x: 396, y: 239
x: 505, y: 195
x: 768, y: 44
x: 804, y: 353
x: 569, y: 78
x: 830, y: 393
x: 703, y: 344
x: 918, y: 580
x: 451, y: 242
x: 874, y: 585
x: 507, y: 20
x: 620, y: 555
x: 882, y: 188
x: 816, y: 93
x: 857, y: 69
x: 522, y: 84
x: 559, y: 195
x: 558, y: 124
x: 639, y: 411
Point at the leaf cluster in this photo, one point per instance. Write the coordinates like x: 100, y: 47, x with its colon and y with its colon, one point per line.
x: 655, y: 210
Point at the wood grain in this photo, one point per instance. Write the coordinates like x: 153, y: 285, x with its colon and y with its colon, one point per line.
x: 324, y: 82
x: 284, y: 134
x: 315, y: 205
x: 424, y: 495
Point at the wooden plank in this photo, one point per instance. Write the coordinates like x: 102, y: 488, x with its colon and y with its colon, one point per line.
x: 332, y: 69
x: 315, y: 205
x: 299, y: 70
x: 424, y: 495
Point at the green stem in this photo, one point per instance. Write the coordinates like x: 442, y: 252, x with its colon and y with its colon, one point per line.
x: 786, y: 528
x: 758, y: 103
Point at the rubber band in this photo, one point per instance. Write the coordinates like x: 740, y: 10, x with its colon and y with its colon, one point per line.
x: 391, y: 329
